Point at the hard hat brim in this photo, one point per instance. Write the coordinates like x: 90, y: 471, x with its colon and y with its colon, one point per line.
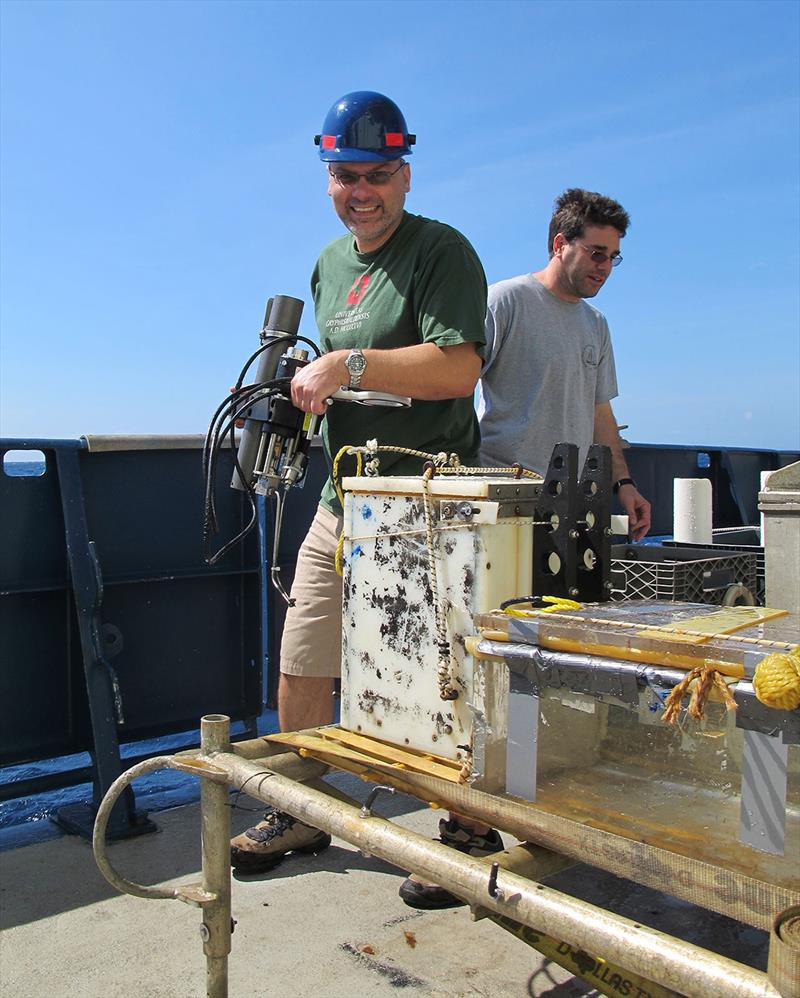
x: 346, y: 155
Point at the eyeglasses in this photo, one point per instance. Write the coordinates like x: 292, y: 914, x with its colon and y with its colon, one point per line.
x: 375, y: 178
x: 598, y: 256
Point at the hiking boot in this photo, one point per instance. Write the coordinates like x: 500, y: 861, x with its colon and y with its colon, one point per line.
x: 418, y: 894
x: 260, y: 848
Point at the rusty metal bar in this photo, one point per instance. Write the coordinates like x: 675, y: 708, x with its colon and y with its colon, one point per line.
x: 215, y: 815
x: 678, y: 965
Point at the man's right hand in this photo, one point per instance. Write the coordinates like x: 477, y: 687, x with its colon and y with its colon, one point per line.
x: 638, y: 510
x: 313, y: 384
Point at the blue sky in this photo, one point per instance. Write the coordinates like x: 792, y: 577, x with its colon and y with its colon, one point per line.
x: 159, y: 183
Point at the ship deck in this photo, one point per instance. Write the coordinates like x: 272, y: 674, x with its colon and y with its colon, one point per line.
x: 328, y: 926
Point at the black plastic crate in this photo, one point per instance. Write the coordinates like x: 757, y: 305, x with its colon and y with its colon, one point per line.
x: 745, y: 540
x: 679, y: 574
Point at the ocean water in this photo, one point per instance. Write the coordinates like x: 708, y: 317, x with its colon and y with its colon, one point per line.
x: 24, y: 469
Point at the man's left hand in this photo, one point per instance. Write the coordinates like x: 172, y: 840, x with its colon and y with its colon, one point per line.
x: 317, y: 381
x: 638, y: 510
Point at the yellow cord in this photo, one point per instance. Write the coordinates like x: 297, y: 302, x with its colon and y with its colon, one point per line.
x: 337, y: 561
x: 558, y: 603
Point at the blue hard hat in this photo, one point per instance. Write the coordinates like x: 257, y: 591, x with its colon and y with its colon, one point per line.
x: 364, y: 126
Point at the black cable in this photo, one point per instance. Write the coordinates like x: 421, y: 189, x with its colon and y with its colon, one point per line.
x: 239, y: 402
x: 236, y: 806
x: 210, y: 451
x: 223, y: 422
x: 249, y: 394
x: 244, y: 398
x: 535, y: 601
x: 271, y: 342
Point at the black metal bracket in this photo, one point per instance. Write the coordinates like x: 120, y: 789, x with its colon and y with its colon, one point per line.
x: 572, y: 536
x: 593, y: 525
x: 105, y: 700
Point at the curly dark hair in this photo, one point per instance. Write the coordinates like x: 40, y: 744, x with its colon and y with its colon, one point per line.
x: 575, y: 209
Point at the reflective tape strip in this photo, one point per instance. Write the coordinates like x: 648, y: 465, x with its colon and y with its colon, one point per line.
x: 523, y: 737
x: 763, y: 812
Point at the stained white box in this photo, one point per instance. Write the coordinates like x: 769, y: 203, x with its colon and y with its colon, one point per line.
x: 483, y: 555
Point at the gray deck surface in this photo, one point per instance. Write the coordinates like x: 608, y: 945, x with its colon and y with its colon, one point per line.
x: 330, y: 926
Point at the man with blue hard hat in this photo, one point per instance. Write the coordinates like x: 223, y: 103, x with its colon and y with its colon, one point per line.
x: 400, y: 305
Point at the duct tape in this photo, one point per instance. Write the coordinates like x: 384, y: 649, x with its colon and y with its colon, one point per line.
x: 523, y: 630
x: 752, y: 715
x: 762, y: 822
x: 589, y: 674
x: 481, y: 734
x: 751, y: 660
x: 523, y: 737
x: 783, y: 963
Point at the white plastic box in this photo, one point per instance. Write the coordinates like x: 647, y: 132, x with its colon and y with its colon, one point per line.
x: 483, y: 555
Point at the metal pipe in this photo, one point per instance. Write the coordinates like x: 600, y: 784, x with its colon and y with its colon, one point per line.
x: 99, y: 835
x: 215, y: 816
x: 685, y: 968
x: 644, y: 674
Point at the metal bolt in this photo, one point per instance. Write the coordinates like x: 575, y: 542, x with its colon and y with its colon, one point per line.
x: 447, y: 510
x: 607, y: 585
x: 608, y: 531
x: 464, y: 511
x: 205, y: 934
x: 573, y: 534
x: 574, y: 591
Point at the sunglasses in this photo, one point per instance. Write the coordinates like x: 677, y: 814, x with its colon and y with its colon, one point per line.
x: 375, y: 178
x: 598, y: 256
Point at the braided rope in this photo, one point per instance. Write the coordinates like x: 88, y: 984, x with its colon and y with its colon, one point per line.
x: 707, y: 679
x: 446, y: 689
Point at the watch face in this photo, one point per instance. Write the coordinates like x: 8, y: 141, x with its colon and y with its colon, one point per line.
x: 355, y: 363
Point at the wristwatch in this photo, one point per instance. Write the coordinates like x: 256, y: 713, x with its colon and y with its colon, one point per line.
x: 356, y: 364
x: 623, y: 481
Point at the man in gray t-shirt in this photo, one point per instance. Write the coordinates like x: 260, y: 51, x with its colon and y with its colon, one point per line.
x: 549, y: 370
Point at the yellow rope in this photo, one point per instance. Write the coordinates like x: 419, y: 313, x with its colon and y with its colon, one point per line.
x: 777, y: 680
x: 707, y: 679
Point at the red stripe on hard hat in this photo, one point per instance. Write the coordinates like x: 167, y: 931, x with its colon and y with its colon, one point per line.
x: 394, y: 139
x: 328, y: 141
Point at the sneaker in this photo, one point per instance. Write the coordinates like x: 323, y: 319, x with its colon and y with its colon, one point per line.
x: 418, y: 894
x: 260, y: 848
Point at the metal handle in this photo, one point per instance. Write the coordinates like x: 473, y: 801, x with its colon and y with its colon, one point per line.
x: 189, y: 893
x: 370, y: 398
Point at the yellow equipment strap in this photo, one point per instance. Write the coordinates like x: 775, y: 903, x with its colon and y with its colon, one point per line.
x: 605, y: 977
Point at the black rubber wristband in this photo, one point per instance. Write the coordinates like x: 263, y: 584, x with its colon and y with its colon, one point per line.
x: 623, y: 481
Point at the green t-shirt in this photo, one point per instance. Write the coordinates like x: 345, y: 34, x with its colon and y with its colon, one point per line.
x: 424, y: 285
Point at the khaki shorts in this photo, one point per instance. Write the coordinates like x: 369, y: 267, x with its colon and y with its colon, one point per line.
x: 312, y: 635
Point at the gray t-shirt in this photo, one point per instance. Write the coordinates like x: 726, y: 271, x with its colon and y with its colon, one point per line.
x: 548, y: 363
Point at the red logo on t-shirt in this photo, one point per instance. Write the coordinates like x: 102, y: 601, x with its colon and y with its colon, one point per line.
x: 358, y: 290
